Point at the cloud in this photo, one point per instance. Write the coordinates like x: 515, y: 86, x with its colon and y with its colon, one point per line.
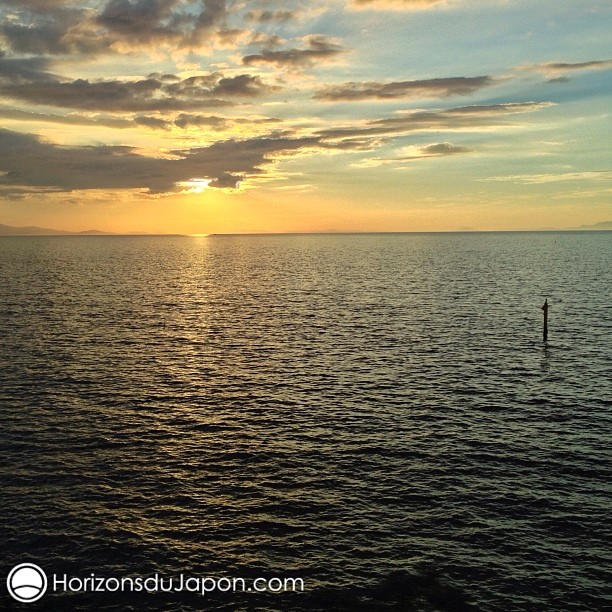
x: 52, y: 28
x: 540, y: 179
x: 441, y: 149
x: 568, y: 67
x: 243, y: 85
x: 142, y: 20
x: 154, y: 123
x: 461, y: 118
x: 72, y: 119
x: 557, y: 71
x: 397, y: 5
x: 37, y: 5
x: 20, y: 80
x: 268, y: 16
x: 116, y: 26
x: 60, y: 28
x: 319, y: 49
x: 214, y: 122
x: 184, y: 23
x: 29, y: 163
x: 266, y: 41
x: 213, y: 11
x: 430, y: 88
x: 49, y: 38
x: 121, y: 96
x: 182, y: 120
x: 26, y: 69
x: 185, y: 120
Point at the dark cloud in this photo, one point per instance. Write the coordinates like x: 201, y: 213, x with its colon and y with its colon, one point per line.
x: 100, y: 95
x: 53, y: 28
x: 35, y: 39
x: 27, y: 162
x: 563, y: 66
x: 182, y: 120
x: 319, y: 49
x: 257, y: 120
x: 20, y: 80
x: 24, y: 70
x: 54, y: 39
x: 443, y: 148
x: 370, y: 134
x: 141, y: 20
x: 366, y: 143
x: 243, y: 85
x: 229, y: 37
x: 72, y: 119
x: 185, y: 120
x: 157, y: 21
x: 266, y: 41
x: 439, y: 149
x: 213, y: 12
x: 470, y: 117
x: 37, y: 5
x: 506, y: 108
x: 395, y: 4
x: 557, y: 71
x: 211, y: 17
x: 164, y: 77
x: 60, y: 28
x: 216, y: 123
x: 430, y: 88
x: 268, y: 16
x: 154, y: 123
x: 227, y: 180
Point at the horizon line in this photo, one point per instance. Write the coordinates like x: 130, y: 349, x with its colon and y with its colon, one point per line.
x: 76, y: 234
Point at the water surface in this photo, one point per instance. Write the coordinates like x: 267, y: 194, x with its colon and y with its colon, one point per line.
x: 377, y: 414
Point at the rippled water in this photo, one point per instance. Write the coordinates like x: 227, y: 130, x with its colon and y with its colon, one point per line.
x: 377, y: 414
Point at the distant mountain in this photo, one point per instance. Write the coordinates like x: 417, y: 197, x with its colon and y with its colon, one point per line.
x: 9, y: 230
x: 602, y: 225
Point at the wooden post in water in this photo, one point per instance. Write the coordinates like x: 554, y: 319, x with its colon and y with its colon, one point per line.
x: 545, y: 309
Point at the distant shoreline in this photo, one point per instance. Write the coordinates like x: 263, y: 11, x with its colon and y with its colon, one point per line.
x: 60, y: 234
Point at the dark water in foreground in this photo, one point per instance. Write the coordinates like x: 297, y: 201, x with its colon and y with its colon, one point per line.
x: 375, y: 414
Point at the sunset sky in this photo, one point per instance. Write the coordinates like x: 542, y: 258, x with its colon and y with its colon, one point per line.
x: 200, y: 116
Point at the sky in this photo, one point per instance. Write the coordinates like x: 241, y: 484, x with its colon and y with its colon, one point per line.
x: 221, y: 116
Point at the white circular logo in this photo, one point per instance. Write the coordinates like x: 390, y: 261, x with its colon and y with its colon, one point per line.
x: 26, y: 582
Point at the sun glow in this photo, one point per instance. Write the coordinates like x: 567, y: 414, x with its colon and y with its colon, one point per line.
x: 194, y: 185
x: 182, y: 116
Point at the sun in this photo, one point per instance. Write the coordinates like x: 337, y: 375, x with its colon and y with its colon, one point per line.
x: 194, y: 185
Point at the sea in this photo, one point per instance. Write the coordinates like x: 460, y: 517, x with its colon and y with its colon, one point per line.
x: 351, y: 422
